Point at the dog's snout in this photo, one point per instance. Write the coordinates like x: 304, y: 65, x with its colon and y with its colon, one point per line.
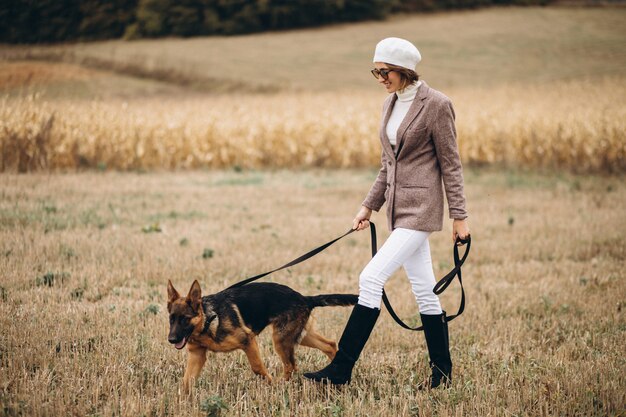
x: 174, y: 336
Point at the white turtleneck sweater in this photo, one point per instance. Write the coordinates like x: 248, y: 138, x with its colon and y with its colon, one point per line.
x: 400, y: 109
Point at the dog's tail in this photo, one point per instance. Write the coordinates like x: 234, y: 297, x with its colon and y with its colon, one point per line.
x: 330, y: 300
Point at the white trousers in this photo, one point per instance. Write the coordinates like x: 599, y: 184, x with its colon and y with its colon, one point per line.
x: 409, y: 249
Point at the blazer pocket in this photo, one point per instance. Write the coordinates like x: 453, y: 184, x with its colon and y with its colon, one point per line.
x: 411, y: 196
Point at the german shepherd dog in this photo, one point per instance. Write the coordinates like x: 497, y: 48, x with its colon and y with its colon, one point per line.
x: 231, y: 319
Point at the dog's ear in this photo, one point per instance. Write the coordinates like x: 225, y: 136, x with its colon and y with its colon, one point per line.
x: 195, y: 295
x: 172, y: 294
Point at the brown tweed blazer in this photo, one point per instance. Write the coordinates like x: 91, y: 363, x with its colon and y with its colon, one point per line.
x: 410, y: 179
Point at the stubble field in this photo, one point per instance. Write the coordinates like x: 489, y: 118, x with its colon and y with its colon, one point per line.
x: 85, y: 259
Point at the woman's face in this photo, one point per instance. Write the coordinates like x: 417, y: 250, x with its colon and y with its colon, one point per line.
x: 392, y: 83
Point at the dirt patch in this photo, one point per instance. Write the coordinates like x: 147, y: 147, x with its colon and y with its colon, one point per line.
x: 28, y: 73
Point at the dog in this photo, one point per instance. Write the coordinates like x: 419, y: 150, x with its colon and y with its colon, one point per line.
x: 231, y: 319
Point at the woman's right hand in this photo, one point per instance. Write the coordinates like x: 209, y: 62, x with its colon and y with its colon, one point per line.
x: 362, y: 219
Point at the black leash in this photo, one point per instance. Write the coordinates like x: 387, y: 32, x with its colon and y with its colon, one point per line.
x: 296, y: 261
x: 438, y: 289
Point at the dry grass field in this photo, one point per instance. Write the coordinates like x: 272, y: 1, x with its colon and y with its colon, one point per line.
x: 85, y: 259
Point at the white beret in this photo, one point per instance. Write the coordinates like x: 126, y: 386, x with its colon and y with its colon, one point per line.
x: 397, y: 51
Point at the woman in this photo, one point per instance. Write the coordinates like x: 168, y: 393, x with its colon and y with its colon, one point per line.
x: 419, y: 150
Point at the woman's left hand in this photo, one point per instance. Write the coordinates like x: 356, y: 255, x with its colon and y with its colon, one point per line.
x: 460, y: 228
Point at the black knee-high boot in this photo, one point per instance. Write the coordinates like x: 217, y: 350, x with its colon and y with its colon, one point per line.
x: 355, y: 335
x: 438, y: 342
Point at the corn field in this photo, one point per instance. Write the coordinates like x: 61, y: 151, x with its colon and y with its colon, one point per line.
x: 578, y: 126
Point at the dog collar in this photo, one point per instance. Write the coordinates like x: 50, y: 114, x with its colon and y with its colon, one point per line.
x: 207, y: 323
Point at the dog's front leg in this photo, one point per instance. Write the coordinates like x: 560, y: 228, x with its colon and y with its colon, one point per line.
x: 195, y: 361
x: 254, y: 357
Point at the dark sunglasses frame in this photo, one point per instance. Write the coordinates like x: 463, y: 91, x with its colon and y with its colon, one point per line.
x: 383, y: 72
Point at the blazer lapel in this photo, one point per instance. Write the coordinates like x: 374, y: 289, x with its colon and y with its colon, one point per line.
x: 414, y: 110
x: 383, y: 128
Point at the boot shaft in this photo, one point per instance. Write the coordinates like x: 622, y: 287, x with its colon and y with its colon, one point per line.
x: 357, y: 332
x: 353, y: 340
x: 438, y: 343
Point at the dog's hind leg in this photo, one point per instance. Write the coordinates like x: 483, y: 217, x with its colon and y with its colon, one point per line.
x: 195, y: 361
x: 317, y: 341
x: 254, y: 357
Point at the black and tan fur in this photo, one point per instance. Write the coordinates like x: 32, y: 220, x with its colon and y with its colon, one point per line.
x: 231, y: 319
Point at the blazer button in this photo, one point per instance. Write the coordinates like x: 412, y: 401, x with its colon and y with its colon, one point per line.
x: 389, y: 163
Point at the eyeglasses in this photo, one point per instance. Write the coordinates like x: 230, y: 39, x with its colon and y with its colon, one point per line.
x: 383, y: 72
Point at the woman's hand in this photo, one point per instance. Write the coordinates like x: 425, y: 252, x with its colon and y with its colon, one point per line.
x: 362, y: 219
x: 460, y: 228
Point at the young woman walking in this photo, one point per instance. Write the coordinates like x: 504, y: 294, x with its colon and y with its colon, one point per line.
x: 419, y: 149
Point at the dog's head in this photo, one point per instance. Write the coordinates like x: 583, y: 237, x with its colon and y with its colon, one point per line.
x: 186, y: 314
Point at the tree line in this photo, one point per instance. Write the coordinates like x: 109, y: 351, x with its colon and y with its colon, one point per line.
x: 46, y: 21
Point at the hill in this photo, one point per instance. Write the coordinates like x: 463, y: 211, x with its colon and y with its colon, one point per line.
x: 483, y: 48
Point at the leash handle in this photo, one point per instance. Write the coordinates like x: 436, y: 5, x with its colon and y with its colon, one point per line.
x: 447, y: 280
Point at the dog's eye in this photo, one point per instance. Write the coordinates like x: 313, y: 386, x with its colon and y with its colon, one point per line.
x: 171, y: 319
